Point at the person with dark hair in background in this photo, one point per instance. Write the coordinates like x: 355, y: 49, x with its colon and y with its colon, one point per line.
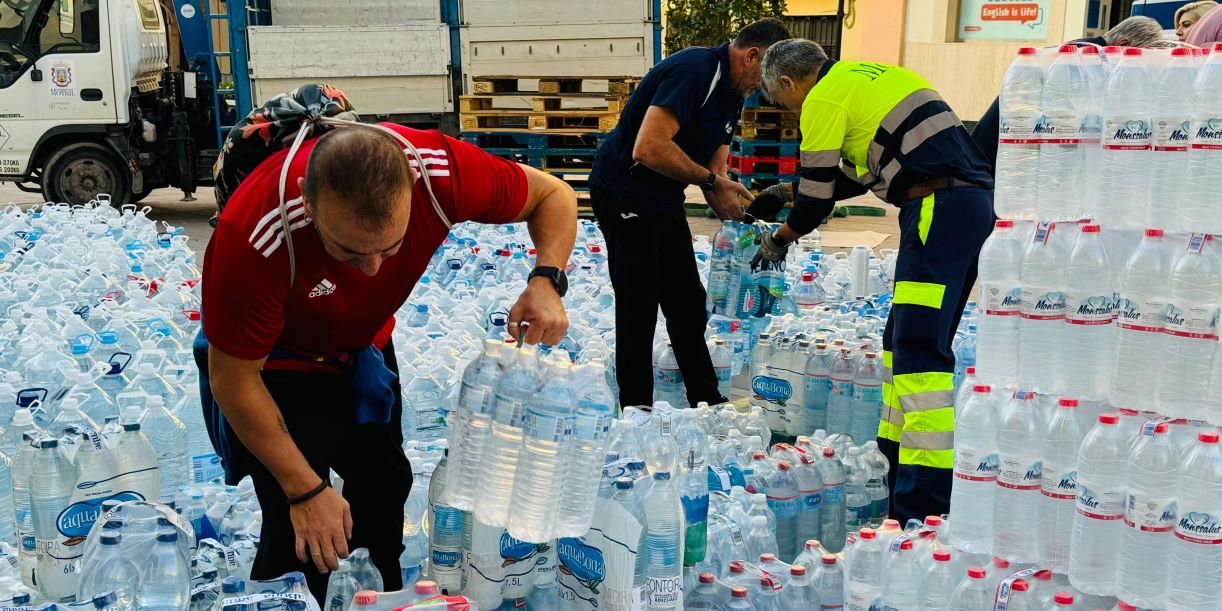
x: 297, y: 371
x: 674, y: 131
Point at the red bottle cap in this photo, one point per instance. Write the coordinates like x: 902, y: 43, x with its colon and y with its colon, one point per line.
x: 1067, y: 49
x: 1001, y: 563
x: 1090, y: 50
x: 1208, y: 437
x: 976, y: 572
x: 736, y: 566
x: 366, y: 597
x: 1090, y: 229
x: 1004, y: 223
x: 983, y: 388
x: 1065, y: 598
x: 829, y: 453
x: 868, y: 533
x: 782, y: 465
x: 1109, y: 418
x: 797, y: 569
x: 1067, y: 402
x: 1026, y: 51
x: 707, y: 578
x: 971, y: 371
x: 1132, y: 52
x: 1160, y: 428
x: 907, y: 544
x: 767, y: 557
x: 1019, y: 585
x: 1181, y: 52
x: 738, y: 592
x: 890, y: 524
x: 425, y: 586
x: 828, y: 559
x: 941, y: 556
x: 1153, y: 233
x: 933, y: 520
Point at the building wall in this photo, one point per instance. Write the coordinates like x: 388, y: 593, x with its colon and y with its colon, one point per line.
x: 874, y: 30
x: 802, y: 8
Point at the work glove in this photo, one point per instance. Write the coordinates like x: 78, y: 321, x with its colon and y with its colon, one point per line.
x: 772, y: 250
x: 770, y: 201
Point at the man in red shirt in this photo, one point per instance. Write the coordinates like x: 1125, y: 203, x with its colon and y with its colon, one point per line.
x: 299, y: 360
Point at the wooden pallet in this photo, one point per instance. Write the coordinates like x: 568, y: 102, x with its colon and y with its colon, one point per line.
x: 615, y: 85
x: 768, y: 117
x: 521, y: 141
x: 593, y: 102
x: 763, y: 148
x: 751, y: 132
x: 763, y: 165
x: 557, y: 120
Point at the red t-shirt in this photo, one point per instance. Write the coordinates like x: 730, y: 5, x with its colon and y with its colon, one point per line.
x: 248, y: 305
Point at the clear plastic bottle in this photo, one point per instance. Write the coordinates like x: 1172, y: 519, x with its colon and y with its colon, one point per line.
x: 902, y: 578
x: 627, y: 498
x: 1042, y: 315
x: 693, y: 486
x: 165, y: 578
x: 445, y: 533
x: 515, y: 389
x: 591, y: 433
x: 840, y: 395
x: 739, y: 599
x: 975, y: 473
x: 534, y: 506
x: 809, y: 294
x: 1018, y: 148
x: 1001, y: 292
x: 50, y: 493
x: 876, y: 486
x: 829, y: 583
x: 832, y: 514
x: 27, y: 549
x: 810, y: 503
x: 1205, y: 149
x: 1059, y: 445
x: 476, y: 407
x: 1063, y: 103
x: 111, y: 571
x: 667, y: 378
x: 938, y: 583
x: 1140, y: 311
x: 1089, y: 314
x: 1017, y: 497
x: 818, y: 386
x: 134, y: 449
x: 799, y: 592
x: 865, y: 561
x: 1149, y: 518
x: 867, y: 405
x: 723, y: 364
x: 169, y: 438
x: 1126, y: 142
x: 721, y: 269
x: 704, y: 595
x: 856, y: 498
x: 782, y: 491
x: 1196, y: 550
x: 1092, y: 130
x: 1191, y: 330
x: 1098, y: 526
x: 972, y: 594
x: 760, y: 538
x: 341, y: 588
x: 664, y: 518
x: 1172, y: 129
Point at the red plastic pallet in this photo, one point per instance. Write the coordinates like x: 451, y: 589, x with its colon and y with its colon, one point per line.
x: 763, y: 165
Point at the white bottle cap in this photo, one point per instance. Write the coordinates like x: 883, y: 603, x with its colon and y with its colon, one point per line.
x: 22, y: 417
x: 154, y: 400
x: 131, y: 414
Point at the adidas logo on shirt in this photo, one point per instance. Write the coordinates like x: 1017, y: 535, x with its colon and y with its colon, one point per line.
x: 322, y: 289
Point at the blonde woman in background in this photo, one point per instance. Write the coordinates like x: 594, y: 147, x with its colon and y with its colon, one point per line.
x: 1187, y: 16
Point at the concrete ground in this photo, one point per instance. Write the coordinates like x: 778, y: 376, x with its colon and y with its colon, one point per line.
x: 167, y: 206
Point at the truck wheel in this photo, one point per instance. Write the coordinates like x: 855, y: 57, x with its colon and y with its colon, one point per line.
x: 78, y: 172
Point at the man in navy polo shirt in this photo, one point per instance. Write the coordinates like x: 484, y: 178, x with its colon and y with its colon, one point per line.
x: 675, y: 131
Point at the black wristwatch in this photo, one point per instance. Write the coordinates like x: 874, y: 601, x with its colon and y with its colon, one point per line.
x: 559, y: 279
x: 709, y: 183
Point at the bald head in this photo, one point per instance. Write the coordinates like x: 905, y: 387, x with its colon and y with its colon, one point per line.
x: 364, y: 170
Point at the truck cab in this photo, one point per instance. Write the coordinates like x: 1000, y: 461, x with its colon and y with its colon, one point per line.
x: 90, y: 103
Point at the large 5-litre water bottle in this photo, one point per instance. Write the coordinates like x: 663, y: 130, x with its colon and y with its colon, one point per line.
x: 165, y: 583
x: 867, y: 405
x: 23, y: 465
x: 50, y: 493
x: 1001, y: 292
x: 1059, y: 446
x: 1172, y: 126
x: 818, y: 386
x: 832, y: 514
x: 169, y: 438
x: 1063, y: 106
x: 840, y: 397
x: 1205, y: 152
x: 1195, y: 564
x: 1140, y: 317
x: 1042, y: 314
x: 445, y: 533
x: 1097, y: 526
x: 664, y: 520
x: 533, y: 508
x: 976, y: 467
x: 1018, y: 148
x: 1192, y: 331
x: 1017, y: 497
x: 1149, y: 518
x: 973, y: 593
x: 1089, y: 313
x: 938, y: 583
x: 476, y: 403
x: 1126, y: 142
x: 514, y: 391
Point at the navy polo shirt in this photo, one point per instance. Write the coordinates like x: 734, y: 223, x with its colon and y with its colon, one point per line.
x: 694, y: 84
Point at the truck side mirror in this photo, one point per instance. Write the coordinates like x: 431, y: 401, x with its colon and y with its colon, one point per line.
x: 35, y: 74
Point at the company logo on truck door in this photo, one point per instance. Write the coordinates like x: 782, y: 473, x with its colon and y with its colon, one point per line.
x: 61, y: 79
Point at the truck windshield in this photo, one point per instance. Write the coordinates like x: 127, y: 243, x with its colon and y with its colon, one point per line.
x: 65, y: 26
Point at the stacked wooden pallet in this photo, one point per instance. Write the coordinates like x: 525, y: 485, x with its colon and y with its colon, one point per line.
x: 764, y: 151
x: 555, y: 124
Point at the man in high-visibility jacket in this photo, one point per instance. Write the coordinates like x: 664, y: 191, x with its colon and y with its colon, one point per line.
x: 878, y: 127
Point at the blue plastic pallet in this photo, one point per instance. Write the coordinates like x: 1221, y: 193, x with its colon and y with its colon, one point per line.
x: 764, y: 148
x: 542, y: 152
x: 528, y: 141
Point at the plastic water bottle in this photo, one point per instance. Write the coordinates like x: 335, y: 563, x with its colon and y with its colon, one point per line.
x: 840, y: 396
x: 856, y: 499
x: 134, y: 448
x: 828, y: 581
x: 810, y: 502
x: 627, y: 498
x: 169, y: 438
x: 867, y: 405
x: 865, y: 563
x: 1149, y: 518
x: 165, y: 583
x: 760, y: 538
x: 591, y: 433
x: 476, y: 407
x: 540, y: 473
x: 782, y: 491
x: 1098, y: 526
x: 111, y: 571
x: 516, y: 388
x: 902, y: 578
x: 445, y: 534
x: 693, y: 486
x: 1140, y: 312
x: 1018, y: 148
x: 50, y: 492
x: 723, y: 364
x: 876, y: 486
x: 832, y: 514
x: 799, y: 592
x: 809, y: 293
x: 818, y: 387
x: 973, y: 594
x: 1172, y: 129
x: 721, y: 268
x: 1001, y: 292
x: 1205, y: 149
x: 1196, y: 550
x: 668, y: 379
x: 8, y: 531
x: 705, y: 594
x: 1063, y: 107
x: 1089, y: 313
x: 938, y: 583
x: 1191, y: 330
x: 1017, y: 497
x: 663, y: 571
x: 27, y: 549
x: 975, y: 473
x: 1126, y: 142
x: 1059, y: 444
x: 1042, y: 314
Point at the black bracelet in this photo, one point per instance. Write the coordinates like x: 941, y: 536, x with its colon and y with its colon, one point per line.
x: 297, y: 500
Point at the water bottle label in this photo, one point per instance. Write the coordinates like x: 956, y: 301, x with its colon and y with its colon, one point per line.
x: 1199, y: 527
x: 1018, y: 128
x: 542, y: 426
x: 446, y: 558
x: 1086, y: 308
x: 1146, y: 314
x: 513, y: 409
x: 1042, y: 230
x: 1042, y: 304
x: 667, y: 376
x: 1207, y: 133
x: 1057, y: 483
x: 206, y: 467
x: 264, y: 596
x: 772, y: 390
x: 719, y: 477
x: 663, y: 591
x: 1172, y: 134
x: 1059, y: 128
x: 591, y: 427
x: 783, y: 506
x: 1001, y: 300
x: 1100, y: 504
x: 736, y: 534
x: 1006, y: 588
x: 976, y: 466
x: 812, y: 500
x: 1018, y: 474
x: 723, y: 373
x: 857, y: 516
x: 205, y: 587
x: 479, y: 399
x: 842, y: 388
x: 1192, y: 320
x: 859, y: 595
x: 872, y: 395
x: 833, y: 494
x: 898, y: 542
x: 1128, y: 133
x: 1149, y: 513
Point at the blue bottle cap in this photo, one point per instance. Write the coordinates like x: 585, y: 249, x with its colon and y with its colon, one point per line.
x: 170, y: 536
x: 623, y: 483
x: 111, y: 538
x: 233, y: 585
x: 661, y: 476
